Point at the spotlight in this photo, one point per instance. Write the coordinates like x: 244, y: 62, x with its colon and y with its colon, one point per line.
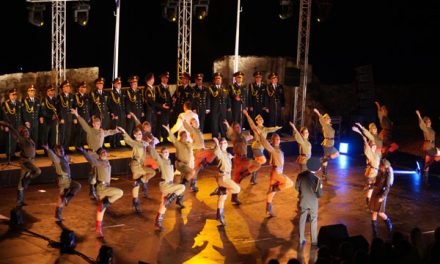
x: 343, y: 148
x: 36, y: 14
x: 286, y: 9
x: 201, y: 9
x: 81, y: 13
x: 170, y: 10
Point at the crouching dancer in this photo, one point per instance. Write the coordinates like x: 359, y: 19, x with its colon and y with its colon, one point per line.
x: 224, y: 181
x: 68, y: 188
x: 170, y: 190
x: 106, y: 195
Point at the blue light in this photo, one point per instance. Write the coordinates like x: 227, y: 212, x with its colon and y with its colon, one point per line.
x: 343, y: 148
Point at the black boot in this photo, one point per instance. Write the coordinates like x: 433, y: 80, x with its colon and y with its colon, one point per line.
x: 274, y: 188
x: 193, y: 185
x: 374, y: 228
x: 58, y: 214
x: 92, y: 192
x: 234, y: 199
x: 136, y: 205
x: 26, y: 180
x: 68, y: 195
x: 20, y: 198
x: 389, y: 225
x: 179, y: 201
x: 221, y: 216
x: 169, y: 199
x: 269, y: 212
x: 104, y: 204
x: 158, y: 222
x: 254, y: 178
x: 324, y: 173
x: 215, y: 192
x: 145, y: 189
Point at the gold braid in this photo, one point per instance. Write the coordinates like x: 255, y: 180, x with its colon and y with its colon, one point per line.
x: 214, y: 94
x: 116, y: 100
x: 132, y: 99
x: 78, y: 101
x: 253, y: 92
x: 268, y: 91
x: 164, y: 94
x: 29, y: 109
x: 51, y: 107
x: 97, y: 101
x: 236, y: 92
x: 10, y: 111
x: 64, y: 104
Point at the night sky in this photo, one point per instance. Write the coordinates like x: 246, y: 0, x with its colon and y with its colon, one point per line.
x: 399, y: 37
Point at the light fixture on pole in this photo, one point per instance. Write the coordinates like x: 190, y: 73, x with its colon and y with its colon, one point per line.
x: 286, y: 9
x: 201, y: 9
x: 169, y: 11
x: 36, y: 14
x: 81, y: 13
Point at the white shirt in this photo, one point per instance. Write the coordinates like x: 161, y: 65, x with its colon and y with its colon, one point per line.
x: 187, y: 116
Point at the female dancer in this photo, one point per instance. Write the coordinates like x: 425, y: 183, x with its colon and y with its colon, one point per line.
x: 429, y: 149
x: 386, y: 133
x: 305, y: 148
x: 141, y: 174
x: 257, y: 148
x: 328, y: 132
x: 384, y: 181
x: 372, y: 135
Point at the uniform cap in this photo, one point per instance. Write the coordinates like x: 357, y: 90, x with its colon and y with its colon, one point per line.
x: 117, y: 80
x: 31, y: 88
x: 165, y: 74
x: 239, y: 73
x: 133, y: 78
x: 218, y: 74
x: 50, y: 88
x: 273, y: 75
x: 65, y: 83
x: 199, y: 76
x: 313, y: 164
x: 83, y: 84
x: 100, y: 80
x: 258, y: 73
x: 186, y: 75
x: 11, y: 91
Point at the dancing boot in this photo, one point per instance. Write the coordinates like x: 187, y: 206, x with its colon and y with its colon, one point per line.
x: 103, y: 204
x: 158, y: 222
x: 169, y: 199
x: 254, y: 178
x: 324, y: 173
x: 374, y: 228
x: 234, y: 199
x: 274, y: 188
x: 20, y: 198
x: 136, y: 205
x: 269, y: 212
x: 221, y: 216
x: 193, y: 185
x: 145, y: 190
x: 92, y: 192
x: 389, y: 225
x: 179, y: 201
x: 59, y: 214
x: 26, y: 180
x: 215, y: 192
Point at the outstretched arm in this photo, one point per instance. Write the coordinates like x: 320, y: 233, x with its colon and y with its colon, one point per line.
x: 171, y: 135
x: 92, y: 160
x: 249, y: 119
x: 11, y: 128
x: 264, y: 142
x: 81, y: 120
x: 136, y: 120
x: 297, y: 134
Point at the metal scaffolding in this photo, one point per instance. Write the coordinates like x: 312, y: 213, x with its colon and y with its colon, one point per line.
x: 184, y: 38
x: 302, y: 61
x: 58, y: 42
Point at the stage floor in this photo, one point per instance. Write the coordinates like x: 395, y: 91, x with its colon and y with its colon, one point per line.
x: 193, y: 235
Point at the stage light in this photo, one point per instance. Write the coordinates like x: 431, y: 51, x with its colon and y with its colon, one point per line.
x: 36, y: 14
x: 343, y: 148
x: 286, y: 9
x: 169, y: 11
x: 81, y: 13
x: 200, y: 8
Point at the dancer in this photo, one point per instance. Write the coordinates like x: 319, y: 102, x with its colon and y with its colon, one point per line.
x: 202, y: 156
x: 372, y: 135
x: 373, y: 161
x: 257, y: 148
x: 29, y: 170
x: 95, y: 140
x: 186, y: 115
x: 170, y: 190
x: 384, y: 181
x: 278, y: 181
x: 309, y: 187
x: 106, y: 195
x: 330, y: 152
x: 305, y: 148
x: 243, y: 166
x: 386, y: 133
x: 141, y: 174
x: 224, y: 181
x: 68, y: 187
x: 430, y: 151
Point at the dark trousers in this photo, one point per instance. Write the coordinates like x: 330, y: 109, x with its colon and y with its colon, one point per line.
x: 201, y: 112
x: 217, y: 117
x: 66, y: 132
x: 79, y: 135
x: 163, y: 119
x: 49, y: 133
x: 116, y: 139
x: 34, y: 131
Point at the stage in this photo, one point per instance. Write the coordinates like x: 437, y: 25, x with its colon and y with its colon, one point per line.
x: 193, y: 235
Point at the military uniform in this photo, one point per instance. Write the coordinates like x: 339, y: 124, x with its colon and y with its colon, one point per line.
x: 150, y: 103
x: 83, y: 104
x: 182, y: 94
x: 66, y: 102
x: 201, y: 102
x: 257, y: 97
x: 276, y: 101
x: 134, y: 104
x: 31, y: 113
x: 184, y: 158
x: 12, y: 113
x: 163, y: 96
x: 49, y: 114
x: 219, y: 105
x: 116, y: 106
x: 305, y: 150
x: 239, y: 99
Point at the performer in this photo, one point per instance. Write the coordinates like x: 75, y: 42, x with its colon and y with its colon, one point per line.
x: 149, y: 98
x: 328, y: 132
x: 184, y: 155
x: 31, y: 112
x: 29, y: 170
x: 200, y: 100
x: 257, y: 96
x: 239, y: 97
x: 276, y: 101
x: 13, y: 115
x: 116, y: 106
x: 100, y: 106
x: 225, y: 183
x: 220, y: 105
x: 183, y: 94
x: 133, y: 103
x: 257, y: 148
x: 84, y: 105
x: 95, y: 140
x: 141, y: 174
x: 202, y: 156
x: 66, y: 102
x: 373, y: 136
x: 373, y: 161
x: 309, y: 187
x: 68, y: 188
x: 186, y: 115
x: 243, y: 166
x: 384, y: 181
x: 430, y: 151
x: 170, y: 190
x: 163, y: 98
x: 305, y: 148
x: 386, y: 133
x: 107, y: 195
x: 49, y: 118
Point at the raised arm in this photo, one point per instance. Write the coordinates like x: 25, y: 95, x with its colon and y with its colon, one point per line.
x: 249, y: 119
x: 177, y: 126
x: 136, y: 120
x: 52, y: 156
x: 81, y: 120
x: 264, y: 142
x: 229, y: 131
x: 366, y: 132
x: 422, y: 124
x: 127, y: 137
x: 92, y: 160
x: 173, y: 138
x: 188, y: 127
x: 297, y: 134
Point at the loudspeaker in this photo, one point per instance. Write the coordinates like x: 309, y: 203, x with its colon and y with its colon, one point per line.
x: 16, y: 220
x: 292, y: 76
x: 105, y: 255
x: 332, y: 235
x: 67, y: 241
x: 359, y: 242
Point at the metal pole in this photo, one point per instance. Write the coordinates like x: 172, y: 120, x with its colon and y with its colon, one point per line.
x: 237, y: 36
x: 116, y: 48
